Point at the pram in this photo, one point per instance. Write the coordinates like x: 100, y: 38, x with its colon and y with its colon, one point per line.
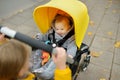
x: 43, y: 16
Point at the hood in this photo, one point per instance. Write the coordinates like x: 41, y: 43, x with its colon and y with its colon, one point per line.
x: 44, y: 14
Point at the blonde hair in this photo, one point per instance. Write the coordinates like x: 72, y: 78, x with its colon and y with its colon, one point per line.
x: 13, y: 55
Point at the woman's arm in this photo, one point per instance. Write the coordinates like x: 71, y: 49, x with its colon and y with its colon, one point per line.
x: 62, y: 72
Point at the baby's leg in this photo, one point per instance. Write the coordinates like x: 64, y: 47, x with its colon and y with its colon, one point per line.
x: 70, y: 56
x: 35, y: 60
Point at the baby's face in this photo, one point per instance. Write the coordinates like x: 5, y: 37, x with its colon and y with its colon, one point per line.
x: 62, y: 27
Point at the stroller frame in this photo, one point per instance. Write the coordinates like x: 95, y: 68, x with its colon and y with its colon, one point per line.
x: 81, y: 60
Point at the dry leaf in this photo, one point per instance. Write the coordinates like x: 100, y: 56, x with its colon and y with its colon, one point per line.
x: 95, y: 54
x: 92, y: 23
x: 110, y: 33
x: 102, y: 79
x: 117, y: 44
x: 89, y: 33
x: 20, y: 10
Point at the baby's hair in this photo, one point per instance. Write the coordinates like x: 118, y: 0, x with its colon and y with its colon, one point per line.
x: 58, y: 16
x: 13, y: 55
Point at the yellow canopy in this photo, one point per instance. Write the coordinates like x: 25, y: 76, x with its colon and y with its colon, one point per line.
x: 44, y: 14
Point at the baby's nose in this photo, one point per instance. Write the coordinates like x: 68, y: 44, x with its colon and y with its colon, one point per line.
x: 59, y: 32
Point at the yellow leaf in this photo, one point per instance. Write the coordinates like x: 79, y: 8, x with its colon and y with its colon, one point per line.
x: 110, y: 33
x: 95, y: 54
x: 102, y: 79
x: 117, y: 44
x: 92, y: 23
x: 20, y: 10
x: 89, y: 33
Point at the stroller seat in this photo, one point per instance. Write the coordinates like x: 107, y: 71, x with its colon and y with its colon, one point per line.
x: 82, y: 57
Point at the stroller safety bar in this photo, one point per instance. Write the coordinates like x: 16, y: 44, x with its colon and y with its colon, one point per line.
x: 30, y: 41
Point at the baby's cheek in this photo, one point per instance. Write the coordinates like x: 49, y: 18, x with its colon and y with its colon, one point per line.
x: 64, y: 32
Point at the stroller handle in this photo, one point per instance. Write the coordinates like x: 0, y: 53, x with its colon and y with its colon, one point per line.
x: 30, y: 41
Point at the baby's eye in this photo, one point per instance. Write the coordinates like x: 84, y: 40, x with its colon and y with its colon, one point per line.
x: 62, y: 29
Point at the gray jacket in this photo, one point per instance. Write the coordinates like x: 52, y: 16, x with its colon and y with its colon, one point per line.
x: 69, y: 44
x: 47, y: 71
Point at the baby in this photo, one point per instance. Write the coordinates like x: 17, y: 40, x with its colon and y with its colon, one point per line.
x: 61, y: 26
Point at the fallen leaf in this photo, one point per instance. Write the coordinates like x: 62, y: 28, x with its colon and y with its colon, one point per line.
x: 92, y: 23
x: 95, y: 54
x: 110, y: 33
x: 117, y: 44
x: 20, y: 10
x: 89, y: 33
x: 102, y: 79
x: 110, y: 1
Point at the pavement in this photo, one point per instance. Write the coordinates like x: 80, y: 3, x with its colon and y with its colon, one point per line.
x: 102, y: 34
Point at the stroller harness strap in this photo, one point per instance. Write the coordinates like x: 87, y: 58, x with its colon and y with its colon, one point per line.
x: 62, y: 41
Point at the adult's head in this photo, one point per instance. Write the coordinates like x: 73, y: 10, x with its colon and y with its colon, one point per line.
x: 14, y: 57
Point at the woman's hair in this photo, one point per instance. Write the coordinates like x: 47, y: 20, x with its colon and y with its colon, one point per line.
x: 60, y: 17
x: 13, y: 55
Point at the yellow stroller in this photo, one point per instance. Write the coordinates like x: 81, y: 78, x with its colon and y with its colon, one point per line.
x: 44, y: 15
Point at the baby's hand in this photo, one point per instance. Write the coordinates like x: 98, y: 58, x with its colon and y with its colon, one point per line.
x: 70, y: 56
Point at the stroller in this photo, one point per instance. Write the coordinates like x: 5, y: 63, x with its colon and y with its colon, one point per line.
x: 43, y: 16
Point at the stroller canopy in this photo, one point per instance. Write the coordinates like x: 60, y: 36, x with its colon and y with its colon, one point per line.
x: 44, y: 14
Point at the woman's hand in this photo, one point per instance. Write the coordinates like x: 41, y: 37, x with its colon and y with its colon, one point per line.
x: 2, y: 39
x: 60, y: 58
